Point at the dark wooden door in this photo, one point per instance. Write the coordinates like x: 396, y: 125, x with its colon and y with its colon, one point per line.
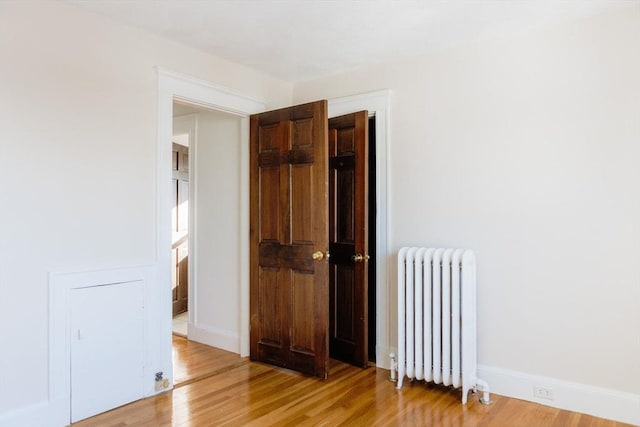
x: 289, y: 238
x: 180, y: 228
x: 348, y: 235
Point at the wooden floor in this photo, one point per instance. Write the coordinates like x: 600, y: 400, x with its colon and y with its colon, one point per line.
x: 193, y: 361
x: 217, y: 388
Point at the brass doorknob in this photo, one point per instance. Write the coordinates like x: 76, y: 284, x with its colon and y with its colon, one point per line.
x: 359, y: 258
x: 317, y: 255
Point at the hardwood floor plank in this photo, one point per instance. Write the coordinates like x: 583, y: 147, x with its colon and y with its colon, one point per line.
x: 192, y: 360
x: 220, y: 389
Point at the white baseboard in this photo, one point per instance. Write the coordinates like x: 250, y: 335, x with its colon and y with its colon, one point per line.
x: 244, y: 344
x: 596, y: 401
x: 42, y: 414
x: 215, y: 337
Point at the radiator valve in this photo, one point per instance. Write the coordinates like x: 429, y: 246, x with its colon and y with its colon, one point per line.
x: 393, y: 376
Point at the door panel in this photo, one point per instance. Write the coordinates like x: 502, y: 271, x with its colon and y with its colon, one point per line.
x: 289, y: 222
x: 348, y: 207
x: 107, y: 353
x: 270, y: 307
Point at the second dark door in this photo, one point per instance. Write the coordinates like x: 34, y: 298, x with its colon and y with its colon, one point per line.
x: 348, y: 216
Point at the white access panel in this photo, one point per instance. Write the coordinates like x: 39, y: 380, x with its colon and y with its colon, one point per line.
x: 107, y: 355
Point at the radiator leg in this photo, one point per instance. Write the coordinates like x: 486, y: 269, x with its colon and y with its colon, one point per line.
x: 465, y: 394
x: 400, y: 375
x: 401, y: 364
x: 484, y: 386
x: 399, y: 386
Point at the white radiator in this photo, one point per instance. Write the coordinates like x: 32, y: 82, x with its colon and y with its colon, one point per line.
x: 437, y: 318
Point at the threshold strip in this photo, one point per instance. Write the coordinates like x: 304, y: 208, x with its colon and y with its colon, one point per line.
x: 210, y: 374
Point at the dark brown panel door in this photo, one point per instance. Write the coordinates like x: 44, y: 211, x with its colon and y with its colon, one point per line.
x: 289, y: 238
x: 180, y: 228
x: 348, y: 206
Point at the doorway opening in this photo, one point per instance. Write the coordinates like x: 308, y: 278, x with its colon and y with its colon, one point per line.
x: 176, y: 86
x: 202, y: 130
x: 205, y: 223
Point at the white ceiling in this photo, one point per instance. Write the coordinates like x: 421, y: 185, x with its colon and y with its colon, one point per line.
x: 299, y: 40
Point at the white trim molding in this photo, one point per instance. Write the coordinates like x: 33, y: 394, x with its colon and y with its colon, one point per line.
x: 215, y: 337
x: 586, y: 399
x: 206, y: 94
x: 378, y: 104
x: 42, y: 414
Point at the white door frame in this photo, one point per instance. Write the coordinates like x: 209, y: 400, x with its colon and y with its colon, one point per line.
x: 172, y: 86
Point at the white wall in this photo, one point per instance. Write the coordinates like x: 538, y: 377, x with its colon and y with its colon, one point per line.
x: 78, y: 178
x: 216, y: 283
x: 526, y: 150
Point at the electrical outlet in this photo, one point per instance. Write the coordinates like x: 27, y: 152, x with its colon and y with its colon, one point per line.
x: 543, y: 392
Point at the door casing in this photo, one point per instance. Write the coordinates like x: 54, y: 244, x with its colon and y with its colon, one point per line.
x: 175, y: 86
